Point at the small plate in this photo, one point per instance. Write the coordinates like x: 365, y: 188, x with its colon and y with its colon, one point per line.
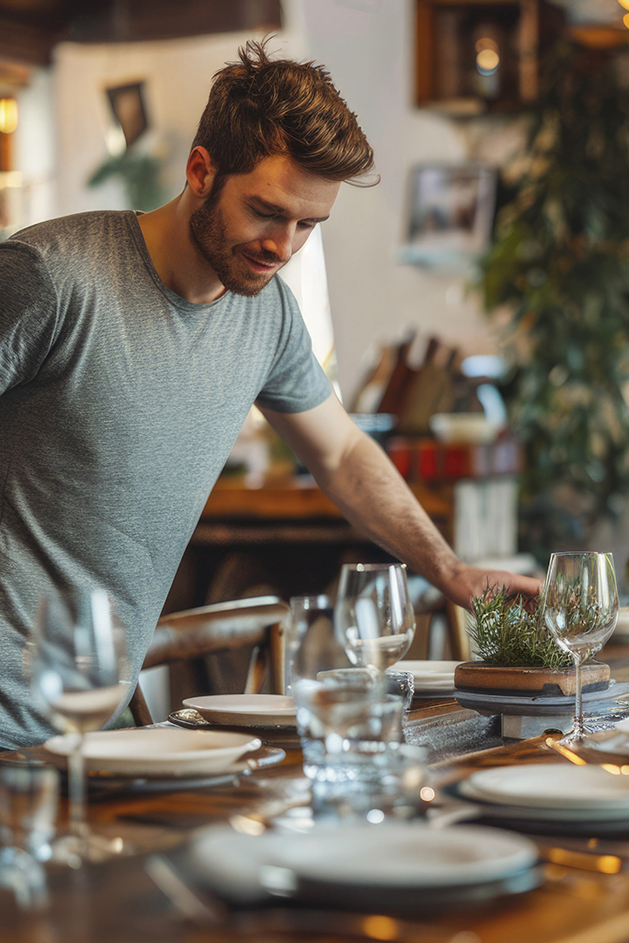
x: 553, y: 787
x: 157, y: 751
x: 246, y: 710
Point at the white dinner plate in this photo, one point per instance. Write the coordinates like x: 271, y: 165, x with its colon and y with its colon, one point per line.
x: 409, y: 855
x: 536, y: 814
x: 430, y: 676
x: 553, y: 786
x: 157, y: 751
x: 393, y: 855
x: 615, y: 740
x: 246, y: 710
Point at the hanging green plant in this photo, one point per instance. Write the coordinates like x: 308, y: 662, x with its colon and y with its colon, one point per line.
x: 140, y: 175
x: 559, y: 264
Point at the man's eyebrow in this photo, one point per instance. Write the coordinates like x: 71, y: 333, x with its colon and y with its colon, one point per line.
x: 281, y: 210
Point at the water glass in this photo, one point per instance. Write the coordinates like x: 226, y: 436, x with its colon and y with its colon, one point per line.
x: 398, y: 683
x: 389, y: 781
x: 29, y: 795
x: 351, y: 731
x: 310, y: 640
x: 28, y: 809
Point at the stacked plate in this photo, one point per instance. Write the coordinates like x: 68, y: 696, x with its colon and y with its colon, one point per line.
x: 551, y: 796
x: 390, y: 867
x: 432, y: 678
x: 158, y: 752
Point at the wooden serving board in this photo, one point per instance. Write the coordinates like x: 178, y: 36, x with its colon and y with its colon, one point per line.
x: 540, y: 682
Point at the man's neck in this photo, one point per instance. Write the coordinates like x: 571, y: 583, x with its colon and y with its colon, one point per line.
x: 175, y: 256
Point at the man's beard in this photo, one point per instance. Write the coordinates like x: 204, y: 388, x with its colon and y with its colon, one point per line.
x: 208, y: 231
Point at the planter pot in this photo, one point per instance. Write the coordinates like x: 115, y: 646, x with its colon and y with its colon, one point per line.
x: 480, y: 677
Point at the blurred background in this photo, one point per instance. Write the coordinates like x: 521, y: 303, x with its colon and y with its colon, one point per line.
x: 472, y: 308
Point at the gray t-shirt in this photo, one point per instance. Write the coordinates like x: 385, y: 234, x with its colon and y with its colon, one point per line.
x: 120, y: 402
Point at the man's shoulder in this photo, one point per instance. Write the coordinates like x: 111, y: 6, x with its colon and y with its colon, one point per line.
x: 77, y: 229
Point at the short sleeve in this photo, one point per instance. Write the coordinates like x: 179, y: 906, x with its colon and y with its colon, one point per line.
x: 28, y: 313
x: 296, y: 381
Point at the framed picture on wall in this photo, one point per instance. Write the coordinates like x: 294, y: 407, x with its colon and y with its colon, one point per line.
x: 127, y: 105
x: 450, y: 213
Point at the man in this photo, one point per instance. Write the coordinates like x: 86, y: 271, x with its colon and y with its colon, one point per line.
x: 132, y: 347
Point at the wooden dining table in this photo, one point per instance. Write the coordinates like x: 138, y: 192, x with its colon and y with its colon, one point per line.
x: 584, y: 897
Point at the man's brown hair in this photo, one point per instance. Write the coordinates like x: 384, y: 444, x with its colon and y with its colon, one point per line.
x: 260, y: 106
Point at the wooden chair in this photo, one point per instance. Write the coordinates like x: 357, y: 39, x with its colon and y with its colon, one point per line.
x: 225, y: 626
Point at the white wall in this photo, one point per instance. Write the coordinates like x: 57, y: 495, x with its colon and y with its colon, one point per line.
x: 34, y: 154
x: 177, y: 76
x: 367, y: 46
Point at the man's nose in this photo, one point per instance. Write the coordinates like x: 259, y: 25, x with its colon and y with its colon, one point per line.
x: 280, y: 244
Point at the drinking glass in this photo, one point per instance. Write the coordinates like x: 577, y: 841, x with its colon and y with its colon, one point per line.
x: 579, y: 608
x: 374, y: 617
x: 356, y: 759
x: 28, y: 809
x: 79, y: 676
x: 311, y: 616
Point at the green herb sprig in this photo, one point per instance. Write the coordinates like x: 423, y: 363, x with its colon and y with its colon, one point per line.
x: 506, y: 633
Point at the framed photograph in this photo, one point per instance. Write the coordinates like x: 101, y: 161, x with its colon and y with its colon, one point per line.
x: 127, y: 104
x: 451, y: 213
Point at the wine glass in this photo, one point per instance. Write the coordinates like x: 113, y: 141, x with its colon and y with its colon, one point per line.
x: 374, y: 617
x: 80, y: 675
x: 579, y: 607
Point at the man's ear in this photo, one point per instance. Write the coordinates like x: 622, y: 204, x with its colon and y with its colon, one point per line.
x: 200, y: 172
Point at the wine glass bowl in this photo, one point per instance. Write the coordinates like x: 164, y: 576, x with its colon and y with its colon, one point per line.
x: 579, y: 607
x: 373, y: 616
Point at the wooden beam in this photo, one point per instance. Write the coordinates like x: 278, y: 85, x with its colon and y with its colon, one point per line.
x: 139, y: 20
x: 22, y: 43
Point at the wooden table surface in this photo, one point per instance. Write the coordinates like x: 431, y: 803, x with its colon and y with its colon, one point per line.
x: 118, y: 901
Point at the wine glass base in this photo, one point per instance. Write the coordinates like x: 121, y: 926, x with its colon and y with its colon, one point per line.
x: 73, y: 850
x: 574, y: 738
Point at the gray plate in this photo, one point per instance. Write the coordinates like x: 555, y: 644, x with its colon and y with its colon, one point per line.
x: 597, y: 702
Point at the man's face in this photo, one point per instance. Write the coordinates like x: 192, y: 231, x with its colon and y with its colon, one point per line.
x: 252, y: 226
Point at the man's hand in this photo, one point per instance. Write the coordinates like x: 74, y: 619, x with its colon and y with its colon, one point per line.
x: 471, y: 581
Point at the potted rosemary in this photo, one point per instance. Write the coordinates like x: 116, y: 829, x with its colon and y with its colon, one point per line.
x: 518, y: 655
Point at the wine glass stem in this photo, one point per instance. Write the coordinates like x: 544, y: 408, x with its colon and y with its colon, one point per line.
x: 76, y: 769
x: 578, y: 731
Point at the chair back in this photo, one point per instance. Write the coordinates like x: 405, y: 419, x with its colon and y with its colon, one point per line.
x: 256, y: 623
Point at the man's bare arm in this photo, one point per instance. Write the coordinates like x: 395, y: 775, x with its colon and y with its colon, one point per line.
x: 357, y: 475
